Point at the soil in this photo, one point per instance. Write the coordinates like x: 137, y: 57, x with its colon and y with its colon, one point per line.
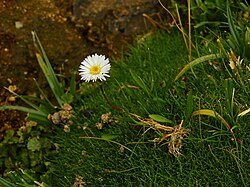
x: 69, y: 31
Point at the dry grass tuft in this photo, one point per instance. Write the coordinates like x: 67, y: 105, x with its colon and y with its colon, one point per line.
x: 173, y: 135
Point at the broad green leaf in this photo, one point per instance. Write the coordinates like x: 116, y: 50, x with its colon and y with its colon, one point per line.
x: 160, y: 118
x: 34, y: 144
x: 9, y: 136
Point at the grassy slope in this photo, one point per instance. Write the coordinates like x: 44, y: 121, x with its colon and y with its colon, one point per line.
x: 209, y: 158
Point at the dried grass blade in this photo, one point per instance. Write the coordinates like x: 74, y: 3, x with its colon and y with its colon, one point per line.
x: 214, y: 114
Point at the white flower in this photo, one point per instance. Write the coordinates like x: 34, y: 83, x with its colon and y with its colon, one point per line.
x: 94, y: 67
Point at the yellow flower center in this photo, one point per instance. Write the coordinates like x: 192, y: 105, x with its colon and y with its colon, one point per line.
x: 95, y: 70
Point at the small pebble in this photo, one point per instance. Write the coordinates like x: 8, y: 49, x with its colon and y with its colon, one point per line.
x: 18, y: 24
x: 11, y: 99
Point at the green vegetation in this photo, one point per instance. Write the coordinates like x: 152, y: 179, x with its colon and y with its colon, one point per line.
x: 29, y: 146
x: 212, y: 155
x: 159, y: 120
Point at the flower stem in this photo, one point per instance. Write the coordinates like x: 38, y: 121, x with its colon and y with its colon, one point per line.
x: 107, y: 99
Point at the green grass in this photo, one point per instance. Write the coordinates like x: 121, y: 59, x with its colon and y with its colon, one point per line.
x: 211, y: 156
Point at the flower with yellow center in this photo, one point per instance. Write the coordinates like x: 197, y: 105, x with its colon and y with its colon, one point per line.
x: 94, y: 67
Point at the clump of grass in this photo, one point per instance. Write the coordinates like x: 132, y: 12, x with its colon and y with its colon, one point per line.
x: 39, y: 111
x: 174, y: 135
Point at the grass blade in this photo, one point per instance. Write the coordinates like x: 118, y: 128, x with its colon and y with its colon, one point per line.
x: 33, y: 115
x: 39, y: 119
x: 43, y: 54
x: 36, y: 99
x: 197, y: 61
x: 47, y: 101
x: 160, y: 118
x: 216, y: 23
x: 24, y: 109
x: 229, y: 95
x: 244, y: 112
x: 232, y: 28
x: 214, y: 114
x: 140, y: 82
x: 48, y: 70
x: 26, y: 101
x: 6, y: 183
x: 73, y: 84
x: 52, y: 80
x: 108, y: 140
x: 189, y: 106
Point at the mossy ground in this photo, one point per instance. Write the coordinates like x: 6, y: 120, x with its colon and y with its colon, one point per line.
x: 143, y: 83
